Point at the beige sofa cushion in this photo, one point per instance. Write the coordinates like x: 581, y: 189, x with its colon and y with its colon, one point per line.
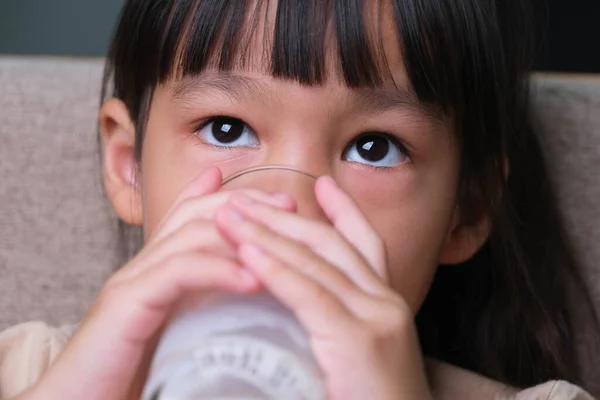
x: 58, y: 237
x: 56, y: 233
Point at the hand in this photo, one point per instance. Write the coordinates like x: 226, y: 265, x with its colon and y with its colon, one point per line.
x: 106, y: 357
x: 334, y: 279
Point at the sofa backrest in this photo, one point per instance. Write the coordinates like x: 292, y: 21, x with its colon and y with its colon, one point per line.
x: 56, y: 230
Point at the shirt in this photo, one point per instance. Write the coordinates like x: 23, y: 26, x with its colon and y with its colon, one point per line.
x: 28, y: 350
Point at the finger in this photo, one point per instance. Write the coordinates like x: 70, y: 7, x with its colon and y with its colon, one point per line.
x: 316, y: 308
x: 195, y: 235
x: 139, y: 306
x: 111, y: 343
x: 349, y: 220
x: 291, y: 252
x: 323, y: 239
x: 205, y: 208
x: 336, y: 331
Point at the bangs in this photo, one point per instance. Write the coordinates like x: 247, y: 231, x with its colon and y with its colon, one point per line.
x: 294, y: 35
x: 448, y: 49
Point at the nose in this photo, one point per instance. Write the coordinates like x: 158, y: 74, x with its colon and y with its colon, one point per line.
x: 280, y: 179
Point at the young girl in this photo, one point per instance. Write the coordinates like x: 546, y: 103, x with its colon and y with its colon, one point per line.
x: 439, y: 234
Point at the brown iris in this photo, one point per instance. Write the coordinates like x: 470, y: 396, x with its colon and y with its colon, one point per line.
x: 373, y: 148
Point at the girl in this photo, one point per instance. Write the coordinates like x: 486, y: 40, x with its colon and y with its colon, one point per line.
x: 435, y: 201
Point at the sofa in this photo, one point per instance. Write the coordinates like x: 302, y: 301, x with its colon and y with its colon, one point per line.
x: 58, y: 234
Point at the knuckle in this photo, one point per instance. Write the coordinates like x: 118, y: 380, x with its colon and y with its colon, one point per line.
x: 111, y: 295
x: 301, y: 251
x: 274, y: 268
x: 325, y: 232
x: 174, y: 262
x: 115, y: 278
x: 362, y: 333
x: 180, y: 208
x: 320, y: 294
x: 259, y: 231
x: 176, y: 268
x: 203, y: 237
x: 197, y: 235
x: 199, y: 206
x: 322, y: 235
x: 121, y: 276
x: 396, y: 319
x: 194, y: 228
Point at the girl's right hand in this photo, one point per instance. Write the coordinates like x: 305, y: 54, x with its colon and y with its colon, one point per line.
x: 108, y: 355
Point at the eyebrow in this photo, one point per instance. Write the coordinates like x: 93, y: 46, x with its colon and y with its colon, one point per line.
x: 239, y: 88
x: 379, y: 100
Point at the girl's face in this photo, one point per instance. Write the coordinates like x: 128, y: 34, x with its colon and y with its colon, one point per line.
x: 393, y: 155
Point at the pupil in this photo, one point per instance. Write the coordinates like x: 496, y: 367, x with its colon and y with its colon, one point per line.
x: 373, y: 148
x: 227, y: 130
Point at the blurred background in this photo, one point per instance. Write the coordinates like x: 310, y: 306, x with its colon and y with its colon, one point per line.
x: 83, y: 28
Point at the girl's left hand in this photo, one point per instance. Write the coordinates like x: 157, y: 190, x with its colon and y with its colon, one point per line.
x: 334, y: 279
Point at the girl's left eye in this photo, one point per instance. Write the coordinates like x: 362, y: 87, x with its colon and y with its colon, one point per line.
x: 377, y: 150
x: 227, y: 132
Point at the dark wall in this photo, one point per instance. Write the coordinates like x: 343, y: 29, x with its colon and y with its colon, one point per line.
x: 64, y: 27
x: 83, y: 27
x: 572, y: 36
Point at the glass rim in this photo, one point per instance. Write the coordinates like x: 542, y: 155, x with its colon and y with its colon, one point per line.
x: 265, y: 168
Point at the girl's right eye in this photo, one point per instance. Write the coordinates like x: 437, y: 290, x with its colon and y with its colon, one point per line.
x: 227, y: 132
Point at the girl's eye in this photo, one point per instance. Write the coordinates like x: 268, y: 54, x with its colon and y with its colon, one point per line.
x: 377, y: 150
x: 228, y: 132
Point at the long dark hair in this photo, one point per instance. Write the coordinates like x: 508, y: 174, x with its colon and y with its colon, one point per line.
x: 505, y: 312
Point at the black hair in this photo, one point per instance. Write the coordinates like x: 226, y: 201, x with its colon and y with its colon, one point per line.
x: 504, y: 313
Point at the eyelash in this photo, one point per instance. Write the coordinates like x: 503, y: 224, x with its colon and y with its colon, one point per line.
x: 204, y: 123
x: 396, y: 142
x: 399, y: 144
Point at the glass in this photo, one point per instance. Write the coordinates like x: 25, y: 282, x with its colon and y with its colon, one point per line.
x: 240, y: 347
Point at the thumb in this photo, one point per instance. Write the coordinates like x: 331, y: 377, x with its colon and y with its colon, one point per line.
x: 206, y: 183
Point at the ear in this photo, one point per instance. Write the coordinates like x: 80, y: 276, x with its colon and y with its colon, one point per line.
x: 117, y: 132
x: 464, y: 239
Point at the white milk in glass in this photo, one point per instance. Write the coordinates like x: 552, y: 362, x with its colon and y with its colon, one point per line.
x: 224, y: 346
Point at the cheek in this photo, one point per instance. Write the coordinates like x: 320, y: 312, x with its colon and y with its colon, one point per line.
x: 170, y: 161
x: 164, y: 174
x: 413, y: 215
x: 413, y: 247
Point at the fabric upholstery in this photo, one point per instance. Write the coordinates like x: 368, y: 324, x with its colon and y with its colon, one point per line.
x: 567, y: 111
x: 56, y: 237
